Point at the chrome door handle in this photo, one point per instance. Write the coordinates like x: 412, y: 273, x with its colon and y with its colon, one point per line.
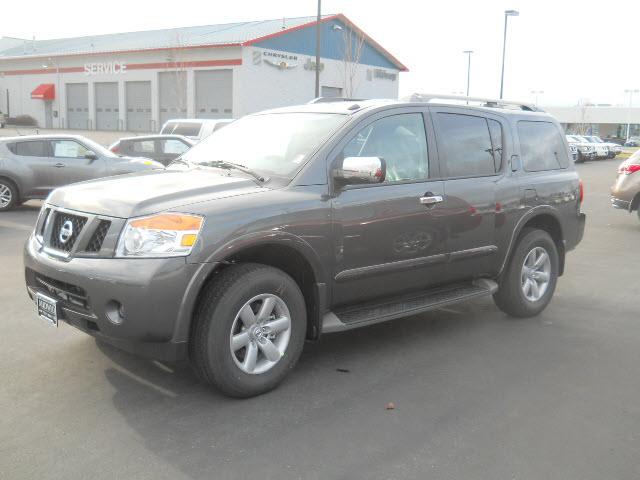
x: 59, y: 165
x: 431, y: 200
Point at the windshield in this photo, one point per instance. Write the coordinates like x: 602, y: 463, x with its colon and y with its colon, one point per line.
x: 596, y: 139
x: 188, y: 129
x: 273, y: 144
x: 572, y: 139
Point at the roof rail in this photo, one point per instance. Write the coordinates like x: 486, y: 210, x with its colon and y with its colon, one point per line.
x: 334, y: 99
x: 486, y: 102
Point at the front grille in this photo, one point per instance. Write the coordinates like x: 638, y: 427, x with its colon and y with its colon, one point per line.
x: 67, y: 292
x: 61, y: 220
x: 95, y: 244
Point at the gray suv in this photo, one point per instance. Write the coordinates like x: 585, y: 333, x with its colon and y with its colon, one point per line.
x: 306, y: 220
x: 32, y: 166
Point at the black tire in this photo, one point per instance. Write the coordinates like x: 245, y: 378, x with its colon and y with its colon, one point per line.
x: 510, y: 297
x: 220, y: 303
x: 8, y: 186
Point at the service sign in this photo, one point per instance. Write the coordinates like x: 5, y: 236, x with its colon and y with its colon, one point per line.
x: 105, y: 68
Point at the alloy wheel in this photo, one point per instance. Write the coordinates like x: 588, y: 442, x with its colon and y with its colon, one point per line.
x: 536, y: 274
x: 5, y: 195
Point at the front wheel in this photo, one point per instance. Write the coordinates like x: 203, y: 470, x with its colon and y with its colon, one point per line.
x: 250, y: 330
x: 8, y: 195
x: 530, y: 279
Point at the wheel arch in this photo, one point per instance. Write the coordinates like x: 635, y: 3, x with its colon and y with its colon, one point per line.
x: 635, y: 203
x: 16, y: 184
x: 543, y: 218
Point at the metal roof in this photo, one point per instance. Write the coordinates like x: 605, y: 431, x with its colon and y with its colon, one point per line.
x: 224, y: 34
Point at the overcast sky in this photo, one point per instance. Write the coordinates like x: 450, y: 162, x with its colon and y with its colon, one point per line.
x: 571, y: 50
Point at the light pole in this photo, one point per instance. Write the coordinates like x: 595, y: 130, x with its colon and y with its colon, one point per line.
x: 318, y: 48
x: 536, y: 93
x: 507, y: 14
x: 630, y: 92
x: 468, y: 52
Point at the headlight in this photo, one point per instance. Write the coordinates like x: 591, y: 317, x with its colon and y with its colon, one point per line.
x: 164, y: 235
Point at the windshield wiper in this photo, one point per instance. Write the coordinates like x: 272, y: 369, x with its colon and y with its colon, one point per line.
x: 235, y: 166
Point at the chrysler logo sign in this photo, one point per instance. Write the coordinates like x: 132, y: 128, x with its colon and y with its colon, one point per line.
x: 66, y: 232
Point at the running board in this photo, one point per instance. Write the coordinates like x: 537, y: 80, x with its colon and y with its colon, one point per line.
x: 369, y: 313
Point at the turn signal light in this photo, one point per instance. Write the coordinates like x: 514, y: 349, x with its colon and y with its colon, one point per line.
x: 170, y: 221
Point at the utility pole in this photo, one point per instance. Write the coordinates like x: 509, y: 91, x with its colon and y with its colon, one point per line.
x: 630, y: 92
x: 318, y: 48
x: 468, y: 52
x: 507, y: 14
x: 536, y: 93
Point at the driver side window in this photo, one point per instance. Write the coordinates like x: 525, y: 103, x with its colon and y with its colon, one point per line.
x: 400, y: 140
x: 68, y: 149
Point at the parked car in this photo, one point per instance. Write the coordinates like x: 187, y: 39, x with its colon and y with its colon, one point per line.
x: 3, y: 120
x: 616, y: 140
x: 573, y: 150
x: 194, y: 128
x: 32, y: 166
x: 632, y: 142
x: 161, y: 148
x: 305, y: 220
x: 613, y: 148
x: 586, y: 151
x: 625, y: 192
x: 601, y: 151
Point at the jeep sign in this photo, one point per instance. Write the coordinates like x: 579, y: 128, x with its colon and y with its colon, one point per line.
x: 108, y: 68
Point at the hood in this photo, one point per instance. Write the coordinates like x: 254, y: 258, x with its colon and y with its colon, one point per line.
x: 149, y: 192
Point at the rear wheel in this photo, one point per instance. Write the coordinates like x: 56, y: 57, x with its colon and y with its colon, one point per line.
x: 8, y: 195
x: 530, y: 279
x: 250, y: 330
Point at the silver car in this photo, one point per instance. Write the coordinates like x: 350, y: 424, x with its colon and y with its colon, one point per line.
x: 32, y: 166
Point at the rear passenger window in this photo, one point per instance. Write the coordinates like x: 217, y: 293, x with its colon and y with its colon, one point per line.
x: 144, y: 146
x: 495, y: 130
x: 541, y: 146
x: 465, y: 143
x: 31, y: 149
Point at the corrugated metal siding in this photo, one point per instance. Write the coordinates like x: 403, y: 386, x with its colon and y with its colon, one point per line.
x: 138, y: 100
x: 173, y: 95
x: 77, y: 106
x: 214, y: 93
x: 106, y: 105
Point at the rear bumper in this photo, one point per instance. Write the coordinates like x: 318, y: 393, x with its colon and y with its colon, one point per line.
x: 582, y: 220
x: 153, y: 294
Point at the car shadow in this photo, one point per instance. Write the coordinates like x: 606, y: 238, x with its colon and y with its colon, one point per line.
x: 199, y: 431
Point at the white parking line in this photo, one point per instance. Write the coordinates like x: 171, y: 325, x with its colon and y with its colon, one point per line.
x: 17, y: 226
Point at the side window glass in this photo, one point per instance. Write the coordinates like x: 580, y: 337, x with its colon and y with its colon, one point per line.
x: 400, y: 140
x: 495, y: 130
x: 143, y: 146
x: 541, y: 146
x: 465, y: 144
x: 173, y: 146
x: 31, y: 149
x: 68, y: 149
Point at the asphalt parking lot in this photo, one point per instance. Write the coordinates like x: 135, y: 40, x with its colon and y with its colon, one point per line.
x: 477, y: 395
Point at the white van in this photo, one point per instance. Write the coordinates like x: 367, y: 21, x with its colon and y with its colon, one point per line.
x: 194, y: 128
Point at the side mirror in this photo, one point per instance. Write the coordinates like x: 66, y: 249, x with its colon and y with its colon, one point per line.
x: 91, y: 155
x: 359, y: 170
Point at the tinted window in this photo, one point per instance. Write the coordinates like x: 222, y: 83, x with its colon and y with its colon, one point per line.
x: 188, y: 129
x: 173, y: 146
x: 495, y: 130
x: 143, y: 146
x: 400, y: 140
x: 68, y: 149
x: 32, y: 149
x: 541, y: 146
x: 465, y: 143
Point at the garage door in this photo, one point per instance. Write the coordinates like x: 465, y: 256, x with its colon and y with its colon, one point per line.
x: 78, y: 106
x: 138, y: 106
x: 107, y: 106
x: 214, y: 89
x: 173, y: 95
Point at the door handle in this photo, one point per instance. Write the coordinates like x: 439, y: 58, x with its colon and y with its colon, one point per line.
x: 431, y: 199
x: 59, y: 165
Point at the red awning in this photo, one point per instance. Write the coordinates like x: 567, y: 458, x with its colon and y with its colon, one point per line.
x: 44, y: 91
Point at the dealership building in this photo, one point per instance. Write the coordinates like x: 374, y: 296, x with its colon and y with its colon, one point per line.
x: 136, y: 81
x: 603, y: 120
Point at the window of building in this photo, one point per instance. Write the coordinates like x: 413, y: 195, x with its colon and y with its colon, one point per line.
x: 31, y: 149
x: 400, y: 140
x: 541, y: 146
x: 465, y: 144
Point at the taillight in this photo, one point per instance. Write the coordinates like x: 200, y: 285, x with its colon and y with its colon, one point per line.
x: 581, y: 191
x: 115, y: 149
x: 629, y: 169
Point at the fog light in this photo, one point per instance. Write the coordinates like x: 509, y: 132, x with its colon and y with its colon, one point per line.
x: 115, y: 312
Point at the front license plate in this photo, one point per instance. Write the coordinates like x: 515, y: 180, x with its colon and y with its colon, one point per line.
x: 47, y: 309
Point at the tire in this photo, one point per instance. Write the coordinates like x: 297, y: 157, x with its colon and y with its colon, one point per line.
x: 511, y: 297
x: 8, y: 195
x: 218, y: 320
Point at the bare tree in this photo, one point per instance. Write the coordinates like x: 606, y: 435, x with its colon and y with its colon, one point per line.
x: 176, y: 58
x: 352, y: 45
x: 583, y: 127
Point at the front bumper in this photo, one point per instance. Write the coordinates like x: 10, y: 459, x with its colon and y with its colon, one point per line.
x: 152, y: 292
x: 619, y: 203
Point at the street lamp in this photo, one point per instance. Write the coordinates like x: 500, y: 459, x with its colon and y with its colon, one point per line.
x: 630, y: 92
x: 468, y: 52
x: 318, y: 48
x: 507, y: 14
x: 536, y: 93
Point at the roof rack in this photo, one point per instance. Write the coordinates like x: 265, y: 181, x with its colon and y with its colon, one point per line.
x: 486, y: 102
x: 334, y: 99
